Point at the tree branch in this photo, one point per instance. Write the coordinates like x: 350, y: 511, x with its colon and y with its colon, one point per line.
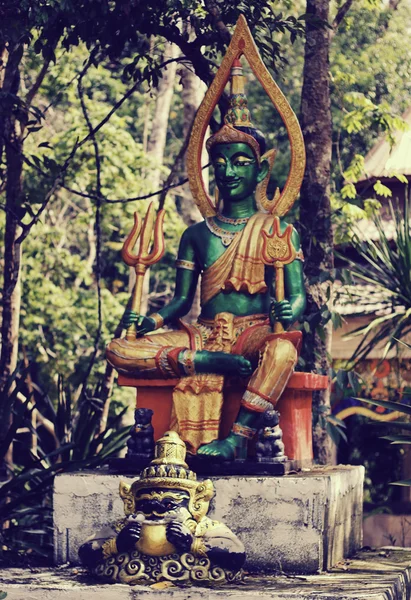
x: 215, y: 13
x: 97, y: 225
x: 340, y: 16
x: 39, y: 80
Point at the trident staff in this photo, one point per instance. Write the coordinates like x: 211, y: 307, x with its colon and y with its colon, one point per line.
x: 143, y: 259
x: 278, y: 251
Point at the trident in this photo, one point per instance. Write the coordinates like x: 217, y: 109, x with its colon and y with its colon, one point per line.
x: 143, y: 258
x: 278, y: 250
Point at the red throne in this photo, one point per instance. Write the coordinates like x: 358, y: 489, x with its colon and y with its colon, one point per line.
x: 294, y: 406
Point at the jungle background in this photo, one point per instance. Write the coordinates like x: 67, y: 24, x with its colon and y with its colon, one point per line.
x: 97, y: 100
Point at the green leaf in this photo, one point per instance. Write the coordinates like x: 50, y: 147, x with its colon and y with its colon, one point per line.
x: 397, y: 406
x: 403, y: 482
x: 349, y: 191
x: 397, y: 439
x: 396, y: 424
x: 401, y: 177
x: 382, y: 190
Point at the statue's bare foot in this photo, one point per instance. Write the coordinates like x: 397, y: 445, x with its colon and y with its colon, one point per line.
x: 232, y: 447
x: 222, y: 363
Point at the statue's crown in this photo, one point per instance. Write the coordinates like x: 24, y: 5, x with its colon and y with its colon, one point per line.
x: 238, y: 115
x: 169, y: 460
x: 168, y: 470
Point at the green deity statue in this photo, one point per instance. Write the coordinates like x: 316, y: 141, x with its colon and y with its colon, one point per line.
x: 250, y: 264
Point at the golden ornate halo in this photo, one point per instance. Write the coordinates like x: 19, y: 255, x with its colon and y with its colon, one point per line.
x: 242, y: 44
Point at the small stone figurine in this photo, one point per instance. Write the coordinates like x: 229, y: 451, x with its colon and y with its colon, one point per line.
x: 166, y: 535
x: 141, y: 441
x: 270, y: 446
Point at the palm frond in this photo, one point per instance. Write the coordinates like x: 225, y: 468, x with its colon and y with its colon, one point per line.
x: 384, y: 264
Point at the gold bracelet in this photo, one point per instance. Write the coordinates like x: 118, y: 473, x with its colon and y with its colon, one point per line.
x: 198, y: 547
x: 158, y: 320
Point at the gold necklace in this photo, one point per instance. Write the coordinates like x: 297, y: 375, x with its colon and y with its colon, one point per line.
x: 225, y: 236
x: 224, y: 219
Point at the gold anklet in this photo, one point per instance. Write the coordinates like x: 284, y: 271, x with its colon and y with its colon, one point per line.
x: 243, y: 431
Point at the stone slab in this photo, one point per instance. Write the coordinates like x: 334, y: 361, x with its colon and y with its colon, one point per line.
x: 301, y: 523
x: 206, y: 468
x: 378, y: 575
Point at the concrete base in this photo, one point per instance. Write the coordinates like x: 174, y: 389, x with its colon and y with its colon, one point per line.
x: 301, y: 523
x: 383, y: 575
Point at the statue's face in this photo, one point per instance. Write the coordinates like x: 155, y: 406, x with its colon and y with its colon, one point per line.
x: 237, y: 171
x: 158, y: 504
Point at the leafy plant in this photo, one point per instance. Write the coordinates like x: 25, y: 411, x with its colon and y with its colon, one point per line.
x: 404, y: 437
x: 62, y: 440
x: 386, y: 265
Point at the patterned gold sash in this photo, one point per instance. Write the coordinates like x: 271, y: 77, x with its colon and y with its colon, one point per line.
x: 240, y: 267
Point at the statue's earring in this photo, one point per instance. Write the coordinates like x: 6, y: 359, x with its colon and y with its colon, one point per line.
x: 217, y: 199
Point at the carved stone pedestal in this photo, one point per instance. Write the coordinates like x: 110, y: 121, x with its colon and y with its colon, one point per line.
x: 300, y: 523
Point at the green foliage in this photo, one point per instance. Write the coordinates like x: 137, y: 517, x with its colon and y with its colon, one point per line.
x: 115, y: 28
x: 47, y: 441
x: 363, y: 445
x: 370, y: 88
x: 386, y: 264
x: 59, y: 316
x: 404, y: 426
x: 332, y: 425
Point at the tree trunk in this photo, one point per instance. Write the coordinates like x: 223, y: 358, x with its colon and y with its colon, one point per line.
x: 12, y: 149
x: 157, y: 140
x: 315, y: 210
x: 192, y: 94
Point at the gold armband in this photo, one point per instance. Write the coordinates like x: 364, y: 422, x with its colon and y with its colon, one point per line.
x: 158, y: 319
x: 186, y: 264
x: 299, y: 255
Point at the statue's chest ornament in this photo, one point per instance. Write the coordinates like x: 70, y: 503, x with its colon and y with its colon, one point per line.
x: 225, y: 236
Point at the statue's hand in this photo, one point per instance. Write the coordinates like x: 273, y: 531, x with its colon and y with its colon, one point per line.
x: 143, y: 324
x: 179, y: 535
x: 128, y: 537
x: 282, y: 312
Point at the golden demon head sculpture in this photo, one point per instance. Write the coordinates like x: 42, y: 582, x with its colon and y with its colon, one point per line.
x: 168, y: 477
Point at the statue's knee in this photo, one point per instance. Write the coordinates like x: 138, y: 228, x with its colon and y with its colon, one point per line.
x: 138, y: 355
x: 281, y: 351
